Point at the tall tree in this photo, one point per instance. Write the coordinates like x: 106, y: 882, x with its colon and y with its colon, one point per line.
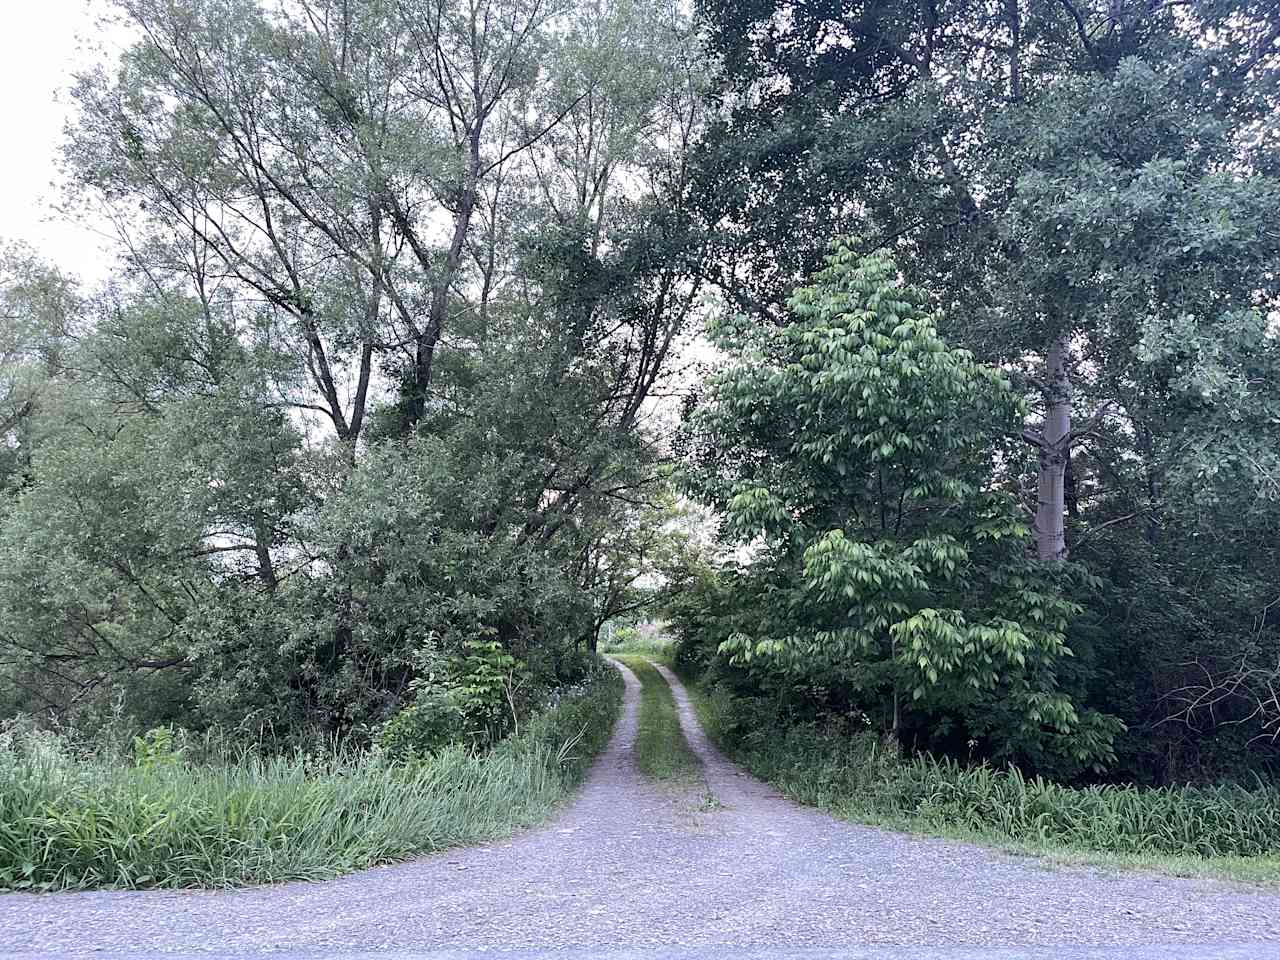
x: 401, y: 280
x: 1061, y: 168
x: 850, y: 450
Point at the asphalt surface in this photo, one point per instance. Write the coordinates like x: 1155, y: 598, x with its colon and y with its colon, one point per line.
x: 634, y: 871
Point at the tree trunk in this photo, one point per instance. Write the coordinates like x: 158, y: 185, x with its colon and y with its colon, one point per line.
x: 1051, y: 535
x: 1013, y: 17
x: 428, y: 340
x: 262, y: 549
x: 1073, y: 491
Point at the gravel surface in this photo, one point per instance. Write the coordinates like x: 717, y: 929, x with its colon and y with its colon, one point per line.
x: 712, y: 952
x: 632, y: 870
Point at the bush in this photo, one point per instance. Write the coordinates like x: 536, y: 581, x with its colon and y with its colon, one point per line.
x: 157, y: 747
x: 484, y: 695
x: 484, y: 690
x: 623, y: 636
x: 853, y: 772
x: 423, y: 728
x: 69, y: 823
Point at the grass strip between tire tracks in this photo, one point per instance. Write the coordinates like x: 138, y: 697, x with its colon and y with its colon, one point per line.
x: 661, y: 751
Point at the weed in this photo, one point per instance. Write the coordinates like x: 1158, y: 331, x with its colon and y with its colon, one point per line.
x: 661, y: 750
x: 68, y: 822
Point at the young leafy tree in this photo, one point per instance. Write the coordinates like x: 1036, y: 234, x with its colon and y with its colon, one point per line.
x: 851, y: 451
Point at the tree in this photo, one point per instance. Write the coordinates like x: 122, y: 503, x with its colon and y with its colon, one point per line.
x: 312, y: 153
x: 624, y: 564
x: 165, y: 485
x: 362, y: 274
x: 1062, y: 170
x: 39, y: 307
x: 1071, y: 181
x: 852, y: 448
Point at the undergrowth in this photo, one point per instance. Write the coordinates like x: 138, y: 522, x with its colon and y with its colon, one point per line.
x: 76, y: 823
x: 649, y: 642
x: 858, y: 776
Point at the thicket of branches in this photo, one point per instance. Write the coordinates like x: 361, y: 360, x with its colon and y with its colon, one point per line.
x: 380, y: 404
x: 366, y: 409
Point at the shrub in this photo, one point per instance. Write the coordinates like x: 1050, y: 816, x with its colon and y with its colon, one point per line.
x: 71, y: 823
x: 157, y: 747
x: 484, y: 690
x: 853, y: 772
x: 427, y: 725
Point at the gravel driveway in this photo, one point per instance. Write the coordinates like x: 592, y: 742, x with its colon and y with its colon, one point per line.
x: 631, y: 870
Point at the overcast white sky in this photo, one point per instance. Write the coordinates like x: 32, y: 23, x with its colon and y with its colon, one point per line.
x: 41, y: 43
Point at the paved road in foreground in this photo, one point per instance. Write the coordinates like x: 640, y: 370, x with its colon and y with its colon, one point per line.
x: 632, y: 871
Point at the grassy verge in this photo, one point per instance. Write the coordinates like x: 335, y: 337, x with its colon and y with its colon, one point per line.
x: 658, y: 647
x: 74, y: 824
x: 1224, y: 832
x: 661, y: 750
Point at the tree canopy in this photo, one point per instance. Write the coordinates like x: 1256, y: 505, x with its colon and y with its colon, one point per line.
x: 437, y: 319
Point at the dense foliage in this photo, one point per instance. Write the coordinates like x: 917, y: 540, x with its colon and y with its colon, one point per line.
x: 851, y: 452
x: 1089, y: 193
x: 183, y: 815
x: 374, y: 431
x: 363, y: 419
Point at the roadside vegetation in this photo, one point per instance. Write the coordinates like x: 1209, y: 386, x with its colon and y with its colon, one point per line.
x: 661, y: 751
x: 645, y: 638
x: 189, y: 815
x: 368, y: 441
x: 325, y: 504
x: 850, y: 771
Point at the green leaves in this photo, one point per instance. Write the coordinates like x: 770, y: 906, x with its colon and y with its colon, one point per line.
x: 756, y: 510
x: 74, y: 822
x: 854, y: 454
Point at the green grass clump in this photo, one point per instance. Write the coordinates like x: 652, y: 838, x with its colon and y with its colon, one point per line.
x: 649, y: 643
x: 857, y: 777
x: 661, y: 751
x: 68, y: 823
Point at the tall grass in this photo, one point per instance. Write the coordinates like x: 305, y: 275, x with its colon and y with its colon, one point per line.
x: 643, y: 641
x: 857, y: 776
x: 69, y: 823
